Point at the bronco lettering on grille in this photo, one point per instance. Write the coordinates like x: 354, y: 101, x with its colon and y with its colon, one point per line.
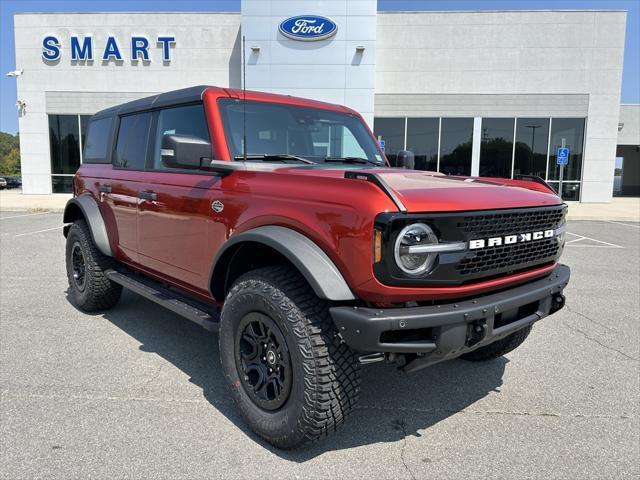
x: 510, y: 239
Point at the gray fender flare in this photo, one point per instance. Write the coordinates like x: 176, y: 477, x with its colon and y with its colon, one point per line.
x: 91, y: 212
x: 316, y: 267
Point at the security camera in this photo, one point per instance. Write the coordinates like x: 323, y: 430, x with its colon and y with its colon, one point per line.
x: 15, y: 73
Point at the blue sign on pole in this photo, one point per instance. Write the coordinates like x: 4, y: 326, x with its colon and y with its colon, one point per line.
x: 381, y: 143
x: 563, y: 156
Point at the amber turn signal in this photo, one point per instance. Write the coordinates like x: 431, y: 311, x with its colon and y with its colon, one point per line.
x: 377, y: 246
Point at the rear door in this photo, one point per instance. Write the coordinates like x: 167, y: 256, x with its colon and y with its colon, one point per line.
x: 175, y: 214
x: 120, y: 192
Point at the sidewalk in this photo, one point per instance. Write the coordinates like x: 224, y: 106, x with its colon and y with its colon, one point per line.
x: 14, y: 200
x: 626, y: 209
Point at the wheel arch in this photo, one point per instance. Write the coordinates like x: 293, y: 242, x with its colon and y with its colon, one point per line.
x: 86, y: 208
x: 270, y: 245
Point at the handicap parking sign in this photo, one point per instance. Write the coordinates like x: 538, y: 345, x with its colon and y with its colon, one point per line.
x: 563, y: 156
x: 381, y: 143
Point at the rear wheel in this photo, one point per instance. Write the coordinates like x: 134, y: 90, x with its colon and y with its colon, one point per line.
x: 89, y: 287
x: 290, y: 374
x: 498, y: 348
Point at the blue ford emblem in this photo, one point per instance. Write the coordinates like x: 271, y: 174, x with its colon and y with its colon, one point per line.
x: 308, y: 27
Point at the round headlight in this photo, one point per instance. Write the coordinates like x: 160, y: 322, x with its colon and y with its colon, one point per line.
x: 414, y: 262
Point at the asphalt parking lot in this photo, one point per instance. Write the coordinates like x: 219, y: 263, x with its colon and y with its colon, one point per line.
x: 137, y: 391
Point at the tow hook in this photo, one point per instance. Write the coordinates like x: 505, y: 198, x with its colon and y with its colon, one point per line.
x: 557, y: 302
x: 476, y: 331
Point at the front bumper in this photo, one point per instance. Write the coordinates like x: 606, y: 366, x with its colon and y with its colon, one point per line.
x: 441, y: 332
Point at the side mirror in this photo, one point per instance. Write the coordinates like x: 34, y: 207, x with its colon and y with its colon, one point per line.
x: 185, y: 151
x: 406, y: 159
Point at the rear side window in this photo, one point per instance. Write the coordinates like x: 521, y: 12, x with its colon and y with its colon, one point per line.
x: 187, y: 120
x: 97, y: 141
x: 133, y: 136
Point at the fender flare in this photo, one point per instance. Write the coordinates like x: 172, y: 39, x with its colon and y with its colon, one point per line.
x: 91, y: 212
x: 310, y: 260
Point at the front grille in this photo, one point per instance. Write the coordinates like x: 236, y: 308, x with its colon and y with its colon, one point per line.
x: 509, y: 256
x: 499, y: 224
x: 491, y: 260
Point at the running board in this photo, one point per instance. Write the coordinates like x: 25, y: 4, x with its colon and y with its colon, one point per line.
x: 166, y: 297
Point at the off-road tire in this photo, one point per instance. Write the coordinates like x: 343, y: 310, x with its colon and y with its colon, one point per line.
x: 325, y: 372
x: 99, y: 293
x: 499, y: 347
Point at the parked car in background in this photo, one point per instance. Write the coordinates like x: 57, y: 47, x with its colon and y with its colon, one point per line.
x: 3, y: 183
x: 12, y: 182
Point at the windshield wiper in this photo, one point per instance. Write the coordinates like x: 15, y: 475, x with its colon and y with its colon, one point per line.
x: 349, y: 160
x: 277, y: 157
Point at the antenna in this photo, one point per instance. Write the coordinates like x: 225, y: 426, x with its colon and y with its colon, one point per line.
x: 244, y: 101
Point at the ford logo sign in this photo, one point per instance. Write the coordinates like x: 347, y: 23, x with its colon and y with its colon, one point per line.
x: 308, y: 28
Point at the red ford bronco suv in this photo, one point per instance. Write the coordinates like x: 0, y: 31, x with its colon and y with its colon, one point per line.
x: 277, y: 221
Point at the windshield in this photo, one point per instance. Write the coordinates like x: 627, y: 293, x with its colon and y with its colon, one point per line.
x: 310, y: 133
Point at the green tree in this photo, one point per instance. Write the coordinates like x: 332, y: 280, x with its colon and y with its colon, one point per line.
x: 9, y: 154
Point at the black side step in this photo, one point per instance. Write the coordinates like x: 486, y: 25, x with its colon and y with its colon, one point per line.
x: 168, y: 298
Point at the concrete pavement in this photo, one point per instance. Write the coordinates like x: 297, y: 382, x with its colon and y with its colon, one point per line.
x: 136, y: 392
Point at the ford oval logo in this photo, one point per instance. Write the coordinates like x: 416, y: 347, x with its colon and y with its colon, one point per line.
x: 308, y: 28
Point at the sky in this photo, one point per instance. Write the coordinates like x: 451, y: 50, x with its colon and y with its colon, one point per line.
x: 8, y: 111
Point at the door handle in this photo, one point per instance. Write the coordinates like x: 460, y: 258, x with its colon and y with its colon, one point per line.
x: 153, y: 196
x: 105, y: 188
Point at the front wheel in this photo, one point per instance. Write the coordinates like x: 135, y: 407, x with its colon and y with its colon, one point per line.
x: 290, y: 374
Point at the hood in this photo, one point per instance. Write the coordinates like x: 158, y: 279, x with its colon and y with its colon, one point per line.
x: 432, y: 192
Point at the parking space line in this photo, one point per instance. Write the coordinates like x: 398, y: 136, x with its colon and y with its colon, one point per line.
x: 621, y: 223
x: 25, y: 215
x: 40, y: 231
x: 573, y: 243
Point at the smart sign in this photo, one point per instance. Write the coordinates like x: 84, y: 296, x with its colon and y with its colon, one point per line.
x: 83, y: 48
x: 308, y: 28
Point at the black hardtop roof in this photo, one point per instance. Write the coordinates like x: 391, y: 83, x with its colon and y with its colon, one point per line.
x: 174, y: 97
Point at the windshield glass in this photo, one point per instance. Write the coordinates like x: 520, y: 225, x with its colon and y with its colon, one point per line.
x: 314, y: 134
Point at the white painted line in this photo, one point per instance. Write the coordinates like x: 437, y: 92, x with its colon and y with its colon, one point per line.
x: 573, y: 243
x: 620, y: 223
x: 25, y: 215
x: 40, y: 231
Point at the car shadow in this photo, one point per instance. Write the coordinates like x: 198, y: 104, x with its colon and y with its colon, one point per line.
x: 392, y: 405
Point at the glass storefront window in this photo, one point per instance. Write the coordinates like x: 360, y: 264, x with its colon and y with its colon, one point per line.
x: 84, y: 123
x: 496, y: 147
x: 571, y: 130
x: 570, y: 190
x: 62, y: 183
x: 64, y: 139
x: 455, y: 146
x: 391, y: 130
x: 422, y: 140
x: 67, y: 135
x: 532, y: 139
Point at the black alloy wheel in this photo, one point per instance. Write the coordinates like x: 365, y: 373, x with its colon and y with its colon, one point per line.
x: 78, y: 265
x: 263, y: 361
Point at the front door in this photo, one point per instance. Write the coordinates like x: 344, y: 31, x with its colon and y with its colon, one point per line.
x: 174, y: 211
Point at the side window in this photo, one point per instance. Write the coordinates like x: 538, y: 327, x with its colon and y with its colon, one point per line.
x: 95, y: 145
x: 187, y: 120
x: 133, y: 136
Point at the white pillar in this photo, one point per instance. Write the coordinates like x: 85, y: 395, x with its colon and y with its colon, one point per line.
x: 475, y: 149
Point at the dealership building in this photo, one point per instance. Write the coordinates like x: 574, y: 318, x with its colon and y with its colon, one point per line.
x: 490, y: 93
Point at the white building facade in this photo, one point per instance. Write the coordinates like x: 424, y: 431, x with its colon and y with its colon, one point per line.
x: 471, y: 93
